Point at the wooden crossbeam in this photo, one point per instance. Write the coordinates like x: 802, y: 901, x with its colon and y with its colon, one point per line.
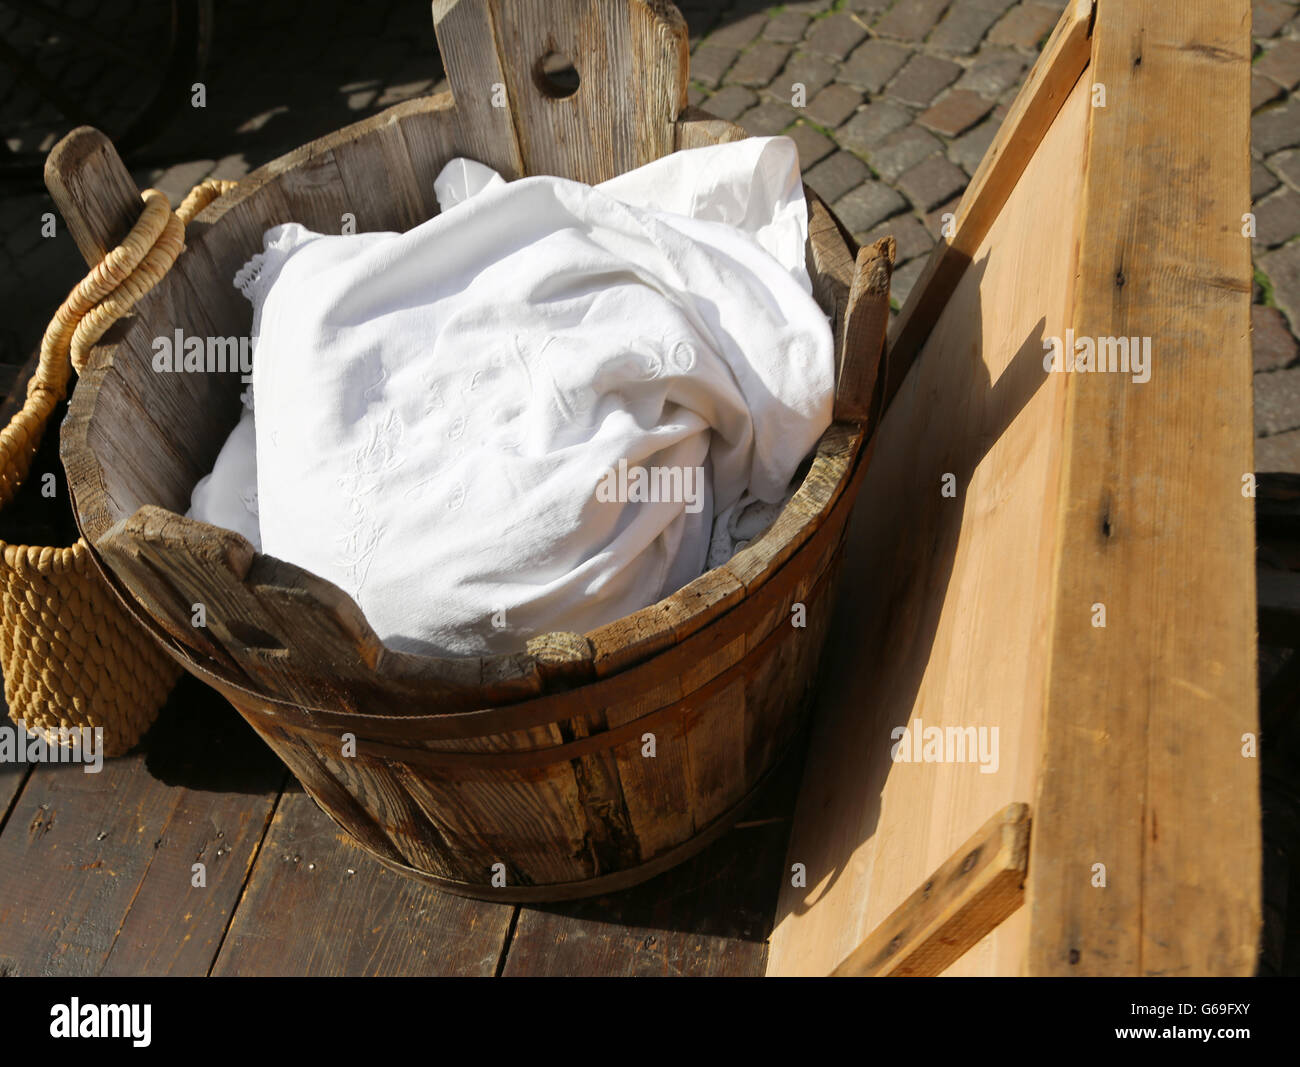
x: 971, y: 893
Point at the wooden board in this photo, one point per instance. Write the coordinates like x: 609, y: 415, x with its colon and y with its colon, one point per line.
x: 1070, y: 490
x: 1143, y: 768
x: 977, y: 407
x: 318, y: 905
x: 976, y: 889
x: 96, y: 869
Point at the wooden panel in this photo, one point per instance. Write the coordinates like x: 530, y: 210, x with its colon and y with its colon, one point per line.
x: 1142, y: 745
x: 980, y: 885
x: 318, y: 905
x: 944, y: 599
x: 95, y: 869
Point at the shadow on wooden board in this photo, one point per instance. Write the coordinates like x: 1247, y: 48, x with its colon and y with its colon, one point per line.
x: 1090, y: 601
x: 900, y: 627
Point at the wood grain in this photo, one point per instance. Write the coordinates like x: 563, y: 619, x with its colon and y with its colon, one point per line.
x: 310, y: 886
x: 978, y: 887
x: 866, y: 317
x: 708, y: 917
x: 93, y: 191
x: 945, y: 599
x: 95, y: 869
x: 1142, y: 738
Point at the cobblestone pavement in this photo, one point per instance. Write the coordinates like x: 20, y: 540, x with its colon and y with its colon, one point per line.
x: 902, y: 97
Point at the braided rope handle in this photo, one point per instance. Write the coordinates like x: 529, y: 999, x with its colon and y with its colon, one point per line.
x: 107, y: 293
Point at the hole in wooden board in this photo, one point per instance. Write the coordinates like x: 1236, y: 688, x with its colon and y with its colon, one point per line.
x: 556, y: 76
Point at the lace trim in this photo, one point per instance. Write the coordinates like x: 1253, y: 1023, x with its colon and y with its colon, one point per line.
x: 249, y: 277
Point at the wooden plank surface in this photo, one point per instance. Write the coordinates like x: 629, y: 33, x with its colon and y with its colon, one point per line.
x: 95, y: 869
x: 708, y: 917
x: 945, y: 598
x: 318, y: 905
x: 1143, y: 769
x: 978, y: 887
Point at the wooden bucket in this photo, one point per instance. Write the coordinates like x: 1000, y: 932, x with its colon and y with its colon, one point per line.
x: 585, y: 762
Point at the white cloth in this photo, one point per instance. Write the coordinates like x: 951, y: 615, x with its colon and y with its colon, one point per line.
x: 436, y: 410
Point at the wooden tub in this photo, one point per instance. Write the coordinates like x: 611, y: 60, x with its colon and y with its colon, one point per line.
x: 585, y: 762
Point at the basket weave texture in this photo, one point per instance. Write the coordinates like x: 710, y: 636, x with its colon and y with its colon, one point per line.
x: 72, y: 656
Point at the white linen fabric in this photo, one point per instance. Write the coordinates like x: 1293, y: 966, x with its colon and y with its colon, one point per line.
x: 449, y: 421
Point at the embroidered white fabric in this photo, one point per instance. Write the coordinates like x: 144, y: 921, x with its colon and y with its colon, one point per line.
x: 441, y: 414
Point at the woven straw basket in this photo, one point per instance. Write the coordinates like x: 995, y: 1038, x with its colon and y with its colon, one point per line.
x: 73, y: 658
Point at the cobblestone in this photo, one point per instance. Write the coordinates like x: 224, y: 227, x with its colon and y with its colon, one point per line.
x: 908, y: 232
x: 993, y: 72
x: 1275, y: 127
x: 968, y: 150
x: 759, y: 64
x: 1281, y: 63
x: 1025, y: 26
x: 1282, y: 268
x: 962, y: 29
x: 834, y: 104
x: 901, y: 151
x: 1263, y: 91
x: 836, y: 175
x: 1287, y: 166
x: 932, y: 181
x: 923, y: 78
x: 875, y: 73
x: 910, y: 20
x: 710, y: 63
x: 863, y: 207
x: 1277, y: 401
x: 768, y: 118
x: 872, y: 124
x: 1275, y: 348
x: 731, y: 101
x: 873, y: 63
x: 1277, y: 219
x: 956, y: 112
x: 836, y: 36
x: 813, y: 145
x: 1269, y: 16
x: 787, y: 28
x: 1262, y: 181
x: 814, y: 73
x: 736, y: 33
x: 904, y: 278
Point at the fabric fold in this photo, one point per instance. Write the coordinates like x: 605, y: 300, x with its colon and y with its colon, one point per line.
x: 530, y: 412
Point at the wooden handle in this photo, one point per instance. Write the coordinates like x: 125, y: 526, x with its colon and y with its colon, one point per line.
x: 93, y: 191
x: 631, y: 58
